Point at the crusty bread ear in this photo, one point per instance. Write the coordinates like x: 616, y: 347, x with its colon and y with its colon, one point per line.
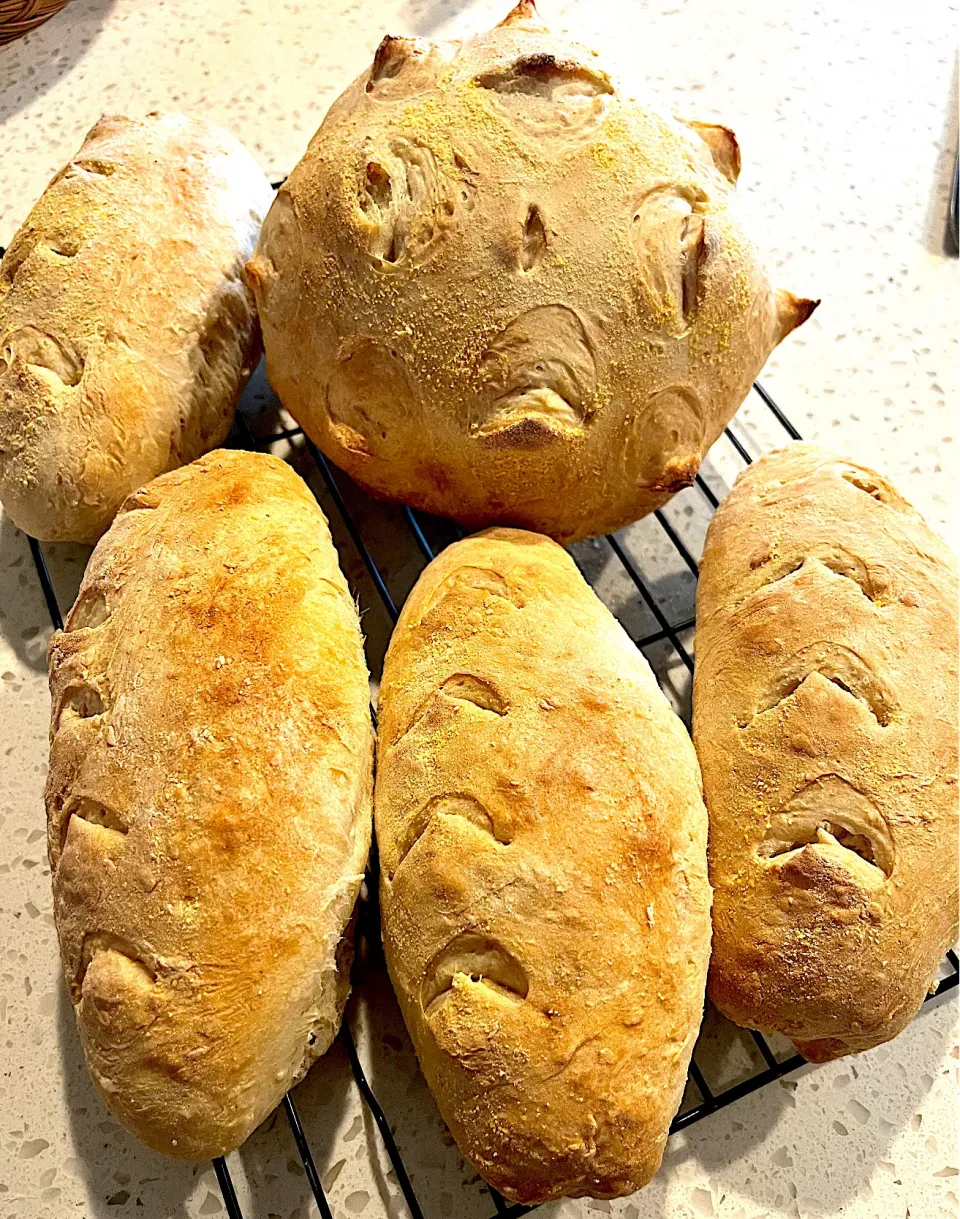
x: 391, y: 52
x: 792, y: 311
x: 526, y: 10
x: 722, y: 144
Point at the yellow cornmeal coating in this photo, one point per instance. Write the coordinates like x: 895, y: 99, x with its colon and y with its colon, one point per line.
x: 542, y: 837
x: 568, y: 378
x: 825, y: 720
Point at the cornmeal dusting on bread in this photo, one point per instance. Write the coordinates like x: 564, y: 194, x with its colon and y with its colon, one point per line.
x: 453, y: 193
x: 825, y: 720
x: 543, y: 871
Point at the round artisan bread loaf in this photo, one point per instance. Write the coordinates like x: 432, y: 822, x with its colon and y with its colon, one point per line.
x: 499, y: 288
x: 126, y: 330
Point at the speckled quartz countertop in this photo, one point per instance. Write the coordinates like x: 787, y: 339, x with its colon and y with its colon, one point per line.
x: 846, y: 115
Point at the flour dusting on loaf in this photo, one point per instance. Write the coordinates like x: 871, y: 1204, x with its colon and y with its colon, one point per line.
x: 546, y: 911
x: 126, y: 330
x: 209, y: 800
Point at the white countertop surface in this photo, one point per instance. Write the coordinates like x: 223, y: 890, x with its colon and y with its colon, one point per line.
x: 846, y: 114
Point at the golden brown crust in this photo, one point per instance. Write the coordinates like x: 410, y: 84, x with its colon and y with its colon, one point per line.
x: 209, y: 799
x: 497, y: 288
x: 543, y: 887
x: 825, y: 720
x: 126, y: 330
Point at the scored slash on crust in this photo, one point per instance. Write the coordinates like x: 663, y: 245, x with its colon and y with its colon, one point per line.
x: 830, y: 811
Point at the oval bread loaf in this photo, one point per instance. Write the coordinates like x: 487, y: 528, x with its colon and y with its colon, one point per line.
x: 546, y: 911
x: 500, y: 287
x: 126, y: 331
x: 209, y: 800
x: 825, y: 719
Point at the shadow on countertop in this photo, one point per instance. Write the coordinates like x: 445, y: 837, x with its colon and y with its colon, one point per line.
x: 116, y: 1167
x: 422, y: 18
x: 831, y: 1166
x: 120, y: 1173
x: 24, y: 617
x: 32, y: 65
x: 938, y: 234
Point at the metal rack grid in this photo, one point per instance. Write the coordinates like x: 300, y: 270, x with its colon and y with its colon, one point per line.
x: 669, y: 633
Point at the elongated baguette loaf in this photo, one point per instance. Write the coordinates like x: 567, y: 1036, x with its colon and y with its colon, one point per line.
x: 209, y: 799
x: 546, y: 911
x: 126, y: 332
x: 825, y: 719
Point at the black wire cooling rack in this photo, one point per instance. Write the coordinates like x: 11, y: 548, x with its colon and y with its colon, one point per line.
x: 262, y: 425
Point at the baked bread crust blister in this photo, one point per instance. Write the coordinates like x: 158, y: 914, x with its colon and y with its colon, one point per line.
x: 825, y: 720
x: 209, y: 799
x: 499, y: 288
x: 126, y: 330
x: 542, y: 837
